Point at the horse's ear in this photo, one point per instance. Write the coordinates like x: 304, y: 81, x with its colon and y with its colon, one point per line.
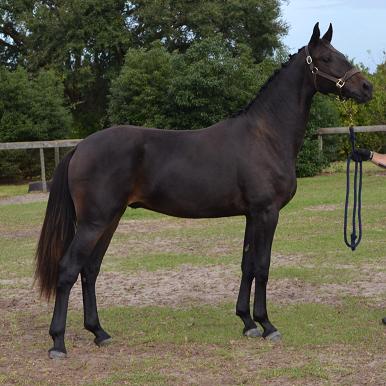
x: 328, y: 35
x: 315, y: 34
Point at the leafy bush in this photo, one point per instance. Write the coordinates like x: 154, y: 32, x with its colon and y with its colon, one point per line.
x: 311, y: 161
x: 185, y: 91
x: 30, y: 109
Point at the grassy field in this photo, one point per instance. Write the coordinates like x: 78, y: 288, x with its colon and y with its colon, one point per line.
x: 13, y: 190
x: 167, y: 295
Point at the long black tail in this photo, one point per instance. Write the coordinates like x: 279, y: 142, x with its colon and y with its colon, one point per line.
x: 57, y: 232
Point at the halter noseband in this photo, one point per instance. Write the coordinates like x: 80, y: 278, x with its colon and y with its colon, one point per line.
x: 339, y: 82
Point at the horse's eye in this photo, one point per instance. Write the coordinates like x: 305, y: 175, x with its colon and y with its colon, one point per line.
x: 326, y: 59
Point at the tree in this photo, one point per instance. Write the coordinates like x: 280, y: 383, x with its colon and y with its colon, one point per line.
x: 139, y: 95
x: 210, y: 83
x: 185, y: 91
x: 324, y: 113
x: 13, y: 32
x: 179, y: 23
x: 30, y: 109
x: 86, y: 40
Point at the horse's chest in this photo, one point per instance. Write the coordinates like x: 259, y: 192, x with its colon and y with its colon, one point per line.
x: 271, y: 188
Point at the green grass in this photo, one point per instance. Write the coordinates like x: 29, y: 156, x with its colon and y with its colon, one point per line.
x: 13, y: 190
x: 163, y: 342
x: 322, y: 343
x: 315, y: 274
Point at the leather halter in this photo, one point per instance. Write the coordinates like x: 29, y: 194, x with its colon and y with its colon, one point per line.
x: 339, y: 82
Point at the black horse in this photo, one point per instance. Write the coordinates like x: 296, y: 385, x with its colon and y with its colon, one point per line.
x: 244, y: 165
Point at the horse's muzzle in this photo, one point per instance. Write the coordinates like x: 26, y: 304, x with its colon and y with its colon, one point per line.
x: 361, y: 94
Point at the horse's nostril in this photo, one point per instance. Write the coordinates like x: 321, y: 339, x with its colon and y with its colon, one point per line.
x: 367, y: 86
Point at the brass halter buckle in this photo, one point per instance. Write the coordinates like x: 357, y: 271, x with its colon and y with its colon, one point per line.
x: 340, y: 83
x: 315, y: 70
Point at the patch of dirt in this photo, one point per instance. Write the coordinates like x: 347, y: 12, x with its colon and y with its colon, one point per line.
x: 325, y: 208
x: 19, y: 234
x: 156, y: 225
x: 24, y: 198
x: 191, y: 285
x: 297, y: 260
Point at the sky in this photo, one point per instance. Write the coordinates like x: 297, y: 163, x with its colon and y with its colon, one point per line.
x: 359, y: 26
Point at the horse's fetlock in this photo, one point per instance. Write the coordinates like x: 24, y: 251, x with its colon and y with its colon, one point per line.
x: 241, y: 312
x: 91, y: 326
x: 260, y: 317
x: 55, y: 333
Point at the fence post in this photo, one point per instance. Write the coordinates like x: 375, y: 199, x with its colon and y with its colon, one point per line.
x: 56, y: 156
x: 43, y: 169
x: 320, y: 140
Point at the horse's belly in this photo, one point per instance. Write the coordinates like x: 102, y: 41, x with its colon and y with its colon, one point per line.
x: 193, y: 201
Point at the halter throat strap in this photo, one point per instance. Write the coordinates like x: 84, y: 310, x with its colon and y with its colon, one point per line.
x: 339, y: 82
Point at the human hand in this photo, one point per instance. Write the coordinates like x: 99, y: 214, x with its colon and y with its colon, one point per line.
x: 362, y: 155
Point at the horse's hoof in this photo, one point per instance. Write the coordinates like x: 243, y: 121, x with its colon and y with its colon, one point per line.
x: 274, y: 336
x: 384, y: 320
x: 253, y: 333
x: 54, y: 354
x: 103, y: 342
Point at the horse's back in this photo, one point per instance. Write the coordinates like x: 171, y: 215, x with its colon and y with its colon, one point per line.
x: 182, y: 173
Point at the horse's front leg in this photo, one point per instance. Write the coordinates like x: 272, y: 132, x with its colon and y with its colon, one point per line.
x: 259, y: 234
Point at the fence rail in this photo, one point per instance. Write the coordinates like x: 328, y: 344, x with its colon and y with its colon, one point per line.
x: 41, y: 145
x: 345, y: 130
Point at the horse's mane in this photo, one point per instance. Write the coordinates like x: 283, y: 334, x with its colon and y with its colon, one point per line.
x: 266, y: 84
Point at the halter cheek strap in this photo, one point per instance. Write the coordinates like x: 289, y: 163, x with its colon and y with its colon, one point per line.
x: 339, y: 82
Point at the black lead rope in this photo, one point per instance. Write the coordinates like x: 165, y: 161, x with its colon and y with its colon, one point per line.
x: 355, y: 238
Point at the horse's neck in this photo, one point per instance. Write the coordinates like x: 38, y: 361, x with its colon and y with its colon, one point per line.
x: 283, y: 106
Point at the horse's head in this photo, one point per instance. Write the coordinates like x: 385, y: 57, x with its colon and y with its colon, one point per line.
x: 332, y: 72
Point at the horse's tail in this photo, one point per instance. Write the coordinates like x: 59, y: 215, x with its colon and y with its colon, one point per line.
x: 57, y: 232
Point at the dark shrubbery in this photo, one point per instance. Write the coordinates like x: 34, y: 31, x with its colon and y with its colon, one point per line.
x: 31, y: 108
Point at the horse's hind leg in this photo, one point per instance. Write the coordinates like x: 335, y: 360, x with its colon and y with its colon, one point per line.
x: 70, y: 265
x: 89, y: 274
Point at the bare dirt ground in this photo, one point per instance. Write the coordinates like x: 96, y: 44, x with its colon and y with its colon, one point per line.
x: 24, y: 198
x: 190, y: 285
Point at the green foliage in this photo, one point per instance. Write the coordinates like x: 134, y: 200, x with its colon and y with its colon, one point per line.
x: 210, y: 83
x: 324, y: 113
x: 336, y: 147
x: 328, y: 112
x: 178, y: 24
x: 371, y: 113
x: 185, y: 91
x: 374, y: 112
x: 139, y: 95
x: 91, y: 38
x: 30, y: 109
